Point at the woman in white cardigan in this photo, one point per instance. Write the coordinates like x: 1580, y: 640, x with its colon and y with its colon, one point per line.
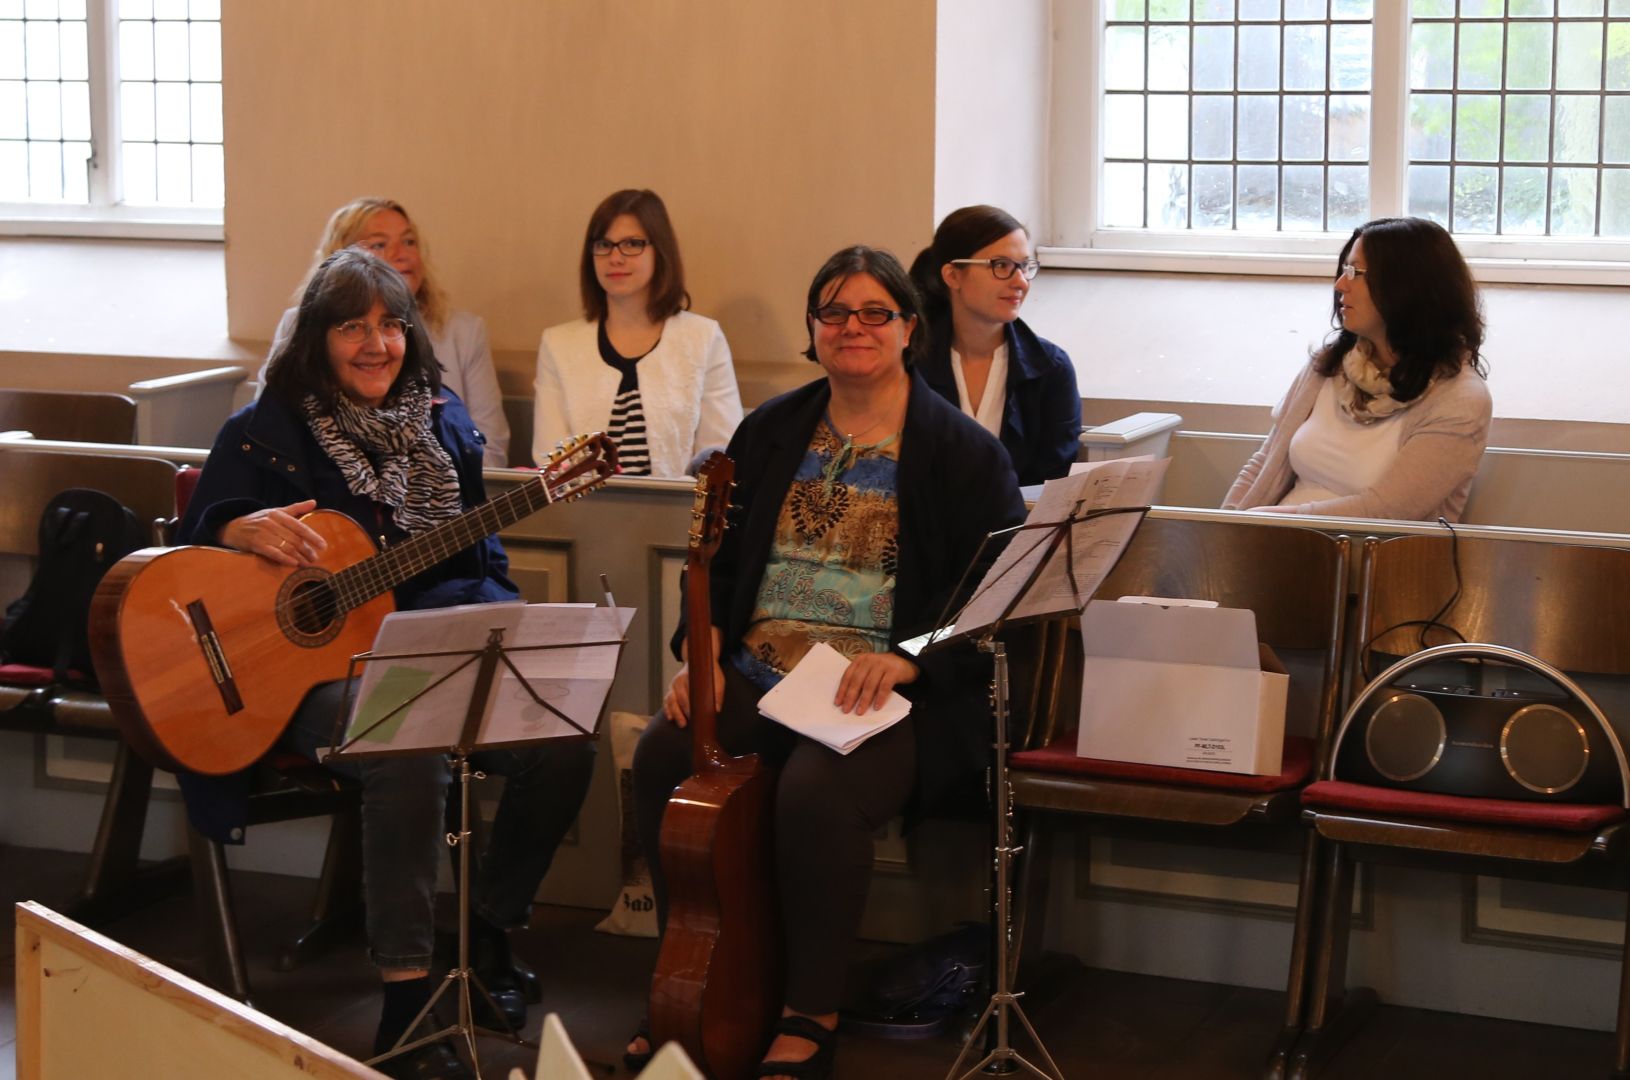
x: 638, y: 365
x: 1390, y: 417
x: 458, y: 338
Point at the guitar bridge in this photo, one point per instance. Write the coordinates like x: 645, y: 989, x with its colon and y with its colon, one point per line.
x: 220, y: 672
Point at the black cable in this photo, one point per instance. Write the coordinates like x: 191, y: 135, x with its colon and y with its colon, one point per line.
x: 1426, y: 625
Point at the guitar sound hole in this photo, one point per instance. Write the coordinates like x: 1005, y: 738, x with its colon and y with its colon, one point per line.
x: 307, y: 609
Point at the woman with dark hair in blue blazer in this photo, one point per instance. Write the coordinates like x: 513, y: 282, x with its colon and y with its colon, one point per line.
x: 981, y: 356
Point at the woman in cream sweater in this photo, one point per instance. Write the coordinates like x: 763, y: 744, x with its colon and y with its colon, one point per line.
x: 638, y: 365
x: 1390, y: 418
x: 459, y: 338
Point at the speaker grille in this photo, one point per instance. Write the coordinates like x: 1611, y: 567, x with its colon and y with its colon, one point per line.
x: 1544, y: 749
x: 1405, y: 736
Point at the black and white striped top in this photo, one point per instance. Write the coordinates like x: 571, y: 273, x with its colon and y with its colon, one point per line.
x: 627, y: 428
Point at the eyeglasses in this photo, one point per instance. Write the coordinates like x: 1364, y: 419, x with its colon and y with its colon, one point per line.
x: 1349, y: 272
x: 838, y: 315
x: 1001, y: 269
x: 628, y: 245
x: 356, y: 331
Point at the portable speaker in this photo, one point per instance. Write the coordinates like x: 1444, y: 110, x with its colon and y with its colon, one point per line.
x: 1507, y: 744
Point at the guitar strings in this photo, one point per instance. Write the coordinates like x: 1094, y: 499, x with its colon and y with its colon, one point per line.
x: 326, y: 598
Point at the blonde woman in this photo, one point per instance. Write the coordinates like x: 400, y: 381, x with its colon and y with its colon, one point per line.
x: 638, y: 365
x: 459, y: 338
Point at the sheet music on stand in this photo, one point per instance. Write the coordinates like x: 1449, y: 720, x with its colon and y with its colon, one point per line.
x: 1049, y: 568
x: 559, y: 662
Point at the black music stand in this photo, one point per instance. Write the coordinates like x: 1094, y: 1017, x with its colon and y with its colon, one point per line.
x: 501, y: 706
x: 1076, y: 545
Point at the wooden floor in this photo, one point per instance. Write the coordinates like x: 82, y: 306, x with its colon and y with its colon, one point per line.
x: 1099, y: 1025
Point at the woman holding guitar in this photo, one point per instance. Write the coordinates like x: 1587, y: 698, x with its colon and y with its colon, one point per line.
x: 863, y: 497
x: 355, y: 418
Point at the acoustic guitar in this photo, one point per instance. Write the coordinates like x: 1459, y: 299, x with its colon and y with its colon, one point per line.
x: 718, y: 982
x: 204, y: 653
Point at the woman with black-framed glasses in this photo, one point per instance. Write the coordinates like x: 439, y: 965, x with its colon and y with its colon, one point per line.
x: 981, y: 356
x: 639, y: 365
x: 863, y: 497
x: 1390, y: 417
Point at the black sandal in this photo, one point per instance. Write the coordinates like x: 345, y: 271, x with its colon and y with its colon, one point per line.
x: 636, y: 1062
x: 818, y: 1066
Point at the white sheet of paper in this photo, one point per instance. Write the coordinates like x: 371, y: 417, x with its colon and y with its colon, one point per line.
x: 1165, y: 601
x: 423, y: 699
x: 803, y: 702
x: 1095, y: 544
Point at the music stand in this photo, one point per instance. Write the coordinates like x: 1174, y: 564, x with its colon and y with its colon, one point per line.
x: 1056, y: 574
x: 550, y: 684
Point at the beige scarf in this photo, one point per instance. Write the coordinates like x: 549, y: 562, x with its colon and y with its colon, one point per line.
x: 1364, y: 391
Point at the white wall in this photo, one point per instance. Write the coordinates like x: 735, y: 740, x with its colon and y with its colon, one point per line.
x: 990, y: 107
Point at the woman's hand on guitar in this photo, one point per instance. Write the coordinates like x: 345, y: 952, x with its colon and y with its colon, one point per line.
x: 869, y: 680
x: 277, y: 534
x: 676, y: 703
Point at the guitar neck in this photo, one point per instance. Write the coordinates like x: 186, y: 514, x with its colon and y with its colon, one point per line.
x: 704, y: 721
x: 356, y: 585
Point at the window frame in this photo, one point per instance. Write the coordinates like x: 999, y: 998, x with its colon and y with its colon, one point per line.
x: 104, y: 215
x: 1074, y: 240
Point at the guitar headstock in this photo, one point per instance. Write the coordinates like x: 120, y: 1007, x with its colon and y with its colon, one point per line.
x: 714, y: 483
x: 578, y: 466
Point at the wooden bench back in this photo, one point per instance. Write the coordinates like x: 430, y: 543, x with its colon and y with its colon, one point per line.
x: 69, y: 415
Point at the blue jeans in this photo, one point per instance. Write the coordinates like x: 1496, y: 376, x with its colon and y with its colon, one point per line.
x: 403, y: 832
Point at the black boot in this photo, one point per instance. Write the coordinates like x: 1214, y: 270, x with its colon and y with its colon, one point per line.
x: 404, y: 999
x: 493, y: 965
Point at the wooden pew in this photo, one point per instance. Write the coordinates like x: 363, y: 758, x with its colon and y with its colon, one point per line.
x: 69, y: 414
x: 1514, y: 487
x: 181, y: 405
x: 113, y: 880
x: 87, y: 1007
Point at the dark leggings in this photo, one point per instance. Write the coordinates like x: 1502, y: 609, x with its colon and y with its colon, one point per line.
x: 828, y: 807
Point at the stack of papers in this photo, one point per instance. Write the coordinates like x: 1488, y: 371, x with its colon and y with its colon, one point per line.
x: 803, y: 702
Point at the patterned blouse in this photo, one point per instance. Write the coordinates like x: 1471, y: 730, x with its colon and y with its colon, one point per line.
x: 830, y: 575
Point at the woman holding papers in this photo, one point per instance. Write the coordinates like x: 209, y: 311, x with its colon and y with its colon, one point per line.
x: 981, y: 356
x: 864, y: 497
x: 1390, y: 417
x: 352, y: 420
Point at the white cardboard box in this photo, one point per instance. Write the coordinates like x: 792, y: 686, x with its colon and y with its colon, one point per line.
x: 1187, y: 687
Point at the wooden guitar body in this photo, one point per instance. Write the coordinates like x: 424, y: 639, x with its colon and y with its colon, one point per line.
x: 149, y: 625
x: 719, y: 977
x: 204, y: 653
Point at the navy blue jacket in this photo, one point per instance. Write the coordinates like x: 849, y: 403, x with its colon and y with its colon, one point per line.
x: 1041, y: 418
x: 266, y: 456
x: 955, y: 485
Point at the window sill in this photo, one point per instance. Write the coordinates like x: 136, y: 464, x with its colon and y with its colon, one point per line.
x: 113, y: 298
x: 111, y: 223
x: 1319, y: 264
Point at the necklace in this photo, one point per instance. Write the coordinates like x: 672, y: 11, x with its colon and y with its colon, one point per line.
x: 851, y: 450
x: 848, y: 454
x: 882, y: 415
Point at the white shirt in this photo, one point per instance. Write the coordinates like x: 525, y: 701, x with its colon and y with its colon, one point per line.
x: 1332, y: 455
x: 687, y: 390
x: 994, y: 401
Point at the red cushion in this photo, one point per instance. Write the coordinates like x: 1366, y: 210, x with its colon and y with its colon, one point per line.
x: 1059, y: 756
x: 289, y: 760
x: 1566, y: 817
x: 186, y: 482
x: 29, y: 675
